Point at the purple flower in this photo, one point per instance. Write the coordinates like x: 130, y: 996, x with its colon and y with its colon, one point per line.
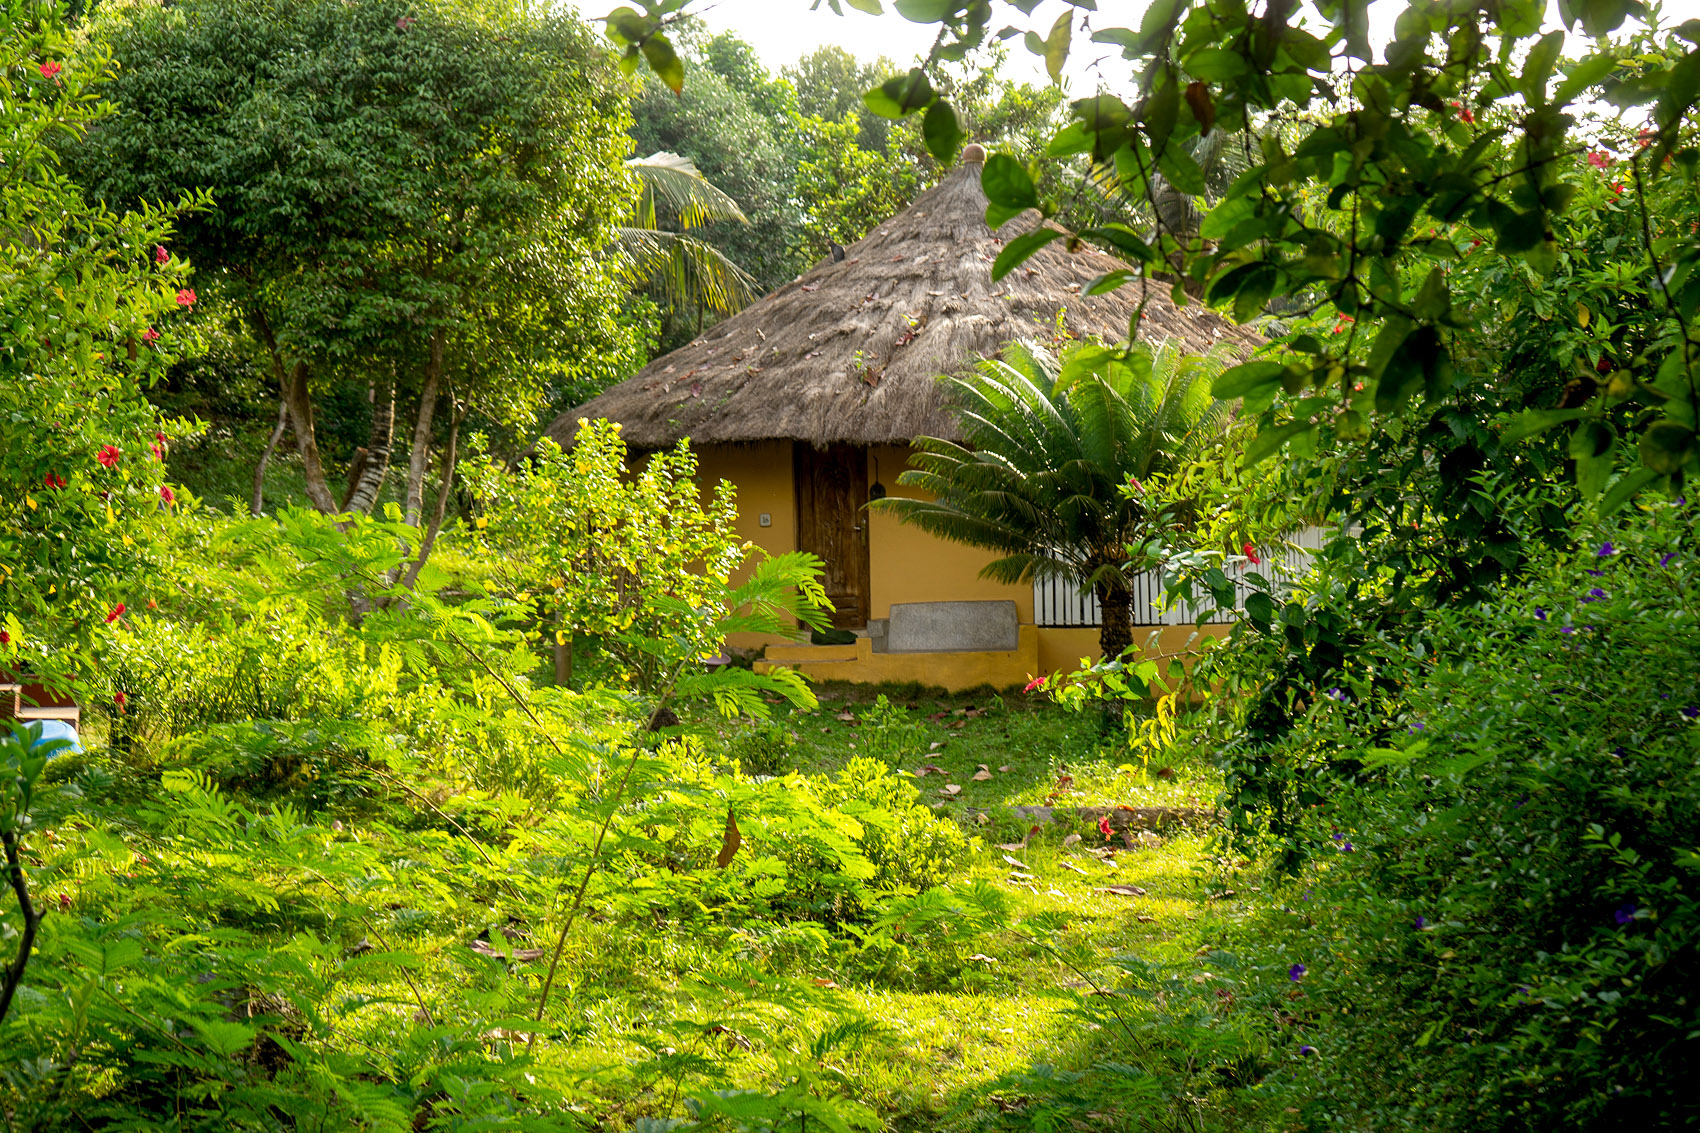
x: 1335, y: 694
x: 1422, y: 922
x: 1665, y: 561
x: 1619, y: 752
x: 1596, y: 573
x: 1297, y: 972
x: 1593, y: 595
x: 1691, y: 712
x: 1307, y: 1050
x: 1605, y: 551
x: 1349, y: 848
x: 1568, y: 629
x: 1625, y: 913
x: 1339, y: 837
x: 1540, y: 613
x: 1417, y: 727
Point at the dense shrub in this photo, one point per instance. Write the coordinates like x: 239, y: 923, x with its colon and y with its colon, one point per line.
x: 1497, y: 916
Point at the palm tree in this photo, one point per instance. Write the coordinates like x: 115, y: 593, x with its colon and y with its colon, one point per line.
x: 684, y: 268
x: 1054, y: 452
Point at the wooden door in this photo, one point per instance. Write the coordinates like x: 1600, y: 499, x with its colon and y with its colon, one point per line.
x: 832, y: 489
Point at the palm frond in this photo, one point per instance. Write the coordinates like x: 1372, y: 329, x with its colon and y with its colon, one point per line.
x: 684, y: 269
x: 677, y: 183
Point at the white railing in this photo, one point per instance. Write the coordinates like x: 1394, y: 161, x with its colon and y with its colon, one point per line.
x: 1058, y: 603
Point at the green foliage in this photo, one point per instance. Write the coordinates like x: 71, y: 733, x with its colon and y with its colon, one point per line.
x: 909, y: 846
x: 639, y: 562
x: 418, y: 195
x: 1497, y: 876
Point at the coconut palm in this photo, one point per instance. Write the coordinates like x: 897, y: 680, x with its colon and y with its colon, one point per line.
x: 1052, y: 455
x: 683, y: 268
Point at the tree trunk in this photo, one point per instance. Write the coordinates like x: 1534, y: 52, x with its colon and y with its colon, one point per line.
x: 301, y: 420
x: 443, y: 490
x: 257, y: 506
x: 419, y: 455
x: 293, y: 383
x: 1116, y: 632
x: 367, y: 478
x: 564, y: 663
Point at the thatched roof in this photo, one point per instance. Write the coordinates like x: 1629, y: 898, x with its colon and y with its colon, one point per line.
x: 851, y: 351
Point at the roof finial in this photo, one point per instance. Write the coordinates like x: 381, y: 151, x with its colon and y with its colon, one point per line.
x: 974, y: 152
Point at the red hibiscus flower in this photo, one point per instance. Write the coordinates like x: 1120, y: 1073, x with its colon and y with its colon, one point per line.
x: 186, y: 297
x: 51, y: 69
x: 158, y: 453
x: 167, y: 495
x: 1343, y: 323
x: 108, y: 456
x: 1104, y: 827
x: 5, y: 638
x: 64, y: 902
x: 160, y: 255
x: 119, y: 699
x: 1465, y: 114
x: 117, y: 612
x: 54, y: 480
x: 1250, y: 553
x: 150, y: 335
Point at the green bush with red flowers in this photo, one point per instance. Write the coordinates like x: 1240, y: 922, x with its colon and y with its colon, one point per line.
x: 88, y: 299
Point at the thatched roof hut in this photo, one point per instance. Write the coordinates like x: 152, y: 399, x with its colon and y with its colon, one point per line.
x: 850, y: 352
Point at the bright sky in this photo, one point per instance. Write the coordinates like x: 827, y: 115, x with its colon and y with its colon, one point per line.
x: 782, y: 31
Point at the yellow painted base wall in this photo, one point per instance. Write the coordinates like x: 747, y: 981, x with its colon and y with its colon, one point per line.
x: 1062, y: 649
x: 955, y: 672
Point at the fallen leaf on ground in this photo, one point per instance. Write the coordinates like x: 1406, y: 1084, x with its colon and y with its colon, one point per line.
x: 1057, y: 893
x: 1017, y: 863
x: 1071, y: 839
x: 950, y: 789
x: 957, y: 724
x: 983, y: 958
x: 981, y: 766
x: 982, y: 776
x: 928, y: 769
x: 935, y: 745
x: 1165, y: 772
x: 845, y: 716
x: 1075, y: 868
x: 823, y: 982
x: 1121, y: 890
x: 1143, y: 919
x: 520, y: 955
x: 1014, y: 876
x: 975, y: 712
x: 982, y: 819
x: 1005, y: 767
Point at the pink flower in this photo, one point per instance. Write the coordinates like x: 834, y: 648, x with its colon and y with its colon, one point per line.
x: 167, y: 495
x: 160, y: 255
x: 117, y: 612
x: 1599, y: 159
x: 64, y: 902
x: 405, y: 22
x: 150, y: 335
x: 50, y: 69
x: 1250, y: 553
x: 186, y: 297
x: 1036, y: 682
x: 158, y: 453
x: 108, y: 456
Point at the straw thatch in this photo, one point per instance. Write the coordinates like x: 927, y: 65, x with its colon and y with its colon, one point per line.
x: 850, y: 352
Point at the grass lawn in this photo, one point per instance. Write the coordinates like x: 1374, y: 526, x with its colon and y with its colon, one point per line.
x: 954, y: 1052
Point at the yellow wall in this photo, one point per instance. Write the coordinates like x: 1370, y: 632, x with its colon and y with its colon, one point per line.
x: 909, y: 565
x: 762, y: 473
